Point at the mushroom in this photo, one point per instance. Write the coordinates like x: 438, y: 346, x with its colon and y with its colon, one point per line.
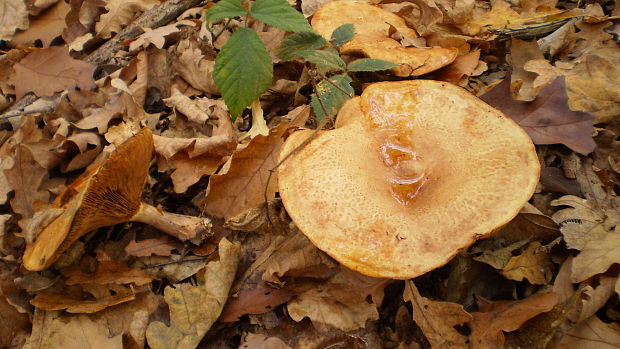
x: 372, y: 37
x: 108, y: 193
x: 413, y: 172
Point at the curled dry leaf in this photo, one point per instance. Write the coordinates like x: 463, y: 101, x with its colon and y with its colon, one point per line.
x: 52, y: 301
x: 120, y: 13
x: 192, y: 65
x: 533, y: 264
x: 437, y: 319
x: 243, y: 186
x: 254, y: 301
x: 194, y: 309
x: 108, y: 272
x: 592, y: 333
x: 14, y: 16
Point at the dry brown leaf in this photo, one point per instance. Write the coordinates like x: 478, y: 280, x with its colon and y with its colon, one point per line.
x: 523, y: 84
x: 591, y: 334
x: 254, y: 301
x: 506, y: 316
x: 45, y: 27
x: 498, y: 258
x: 499, y: 16
x: 12, y: 17
x: 173, y: 268
x: 592, y: 85
x: 437, y: 319
x: 53, y: 301
x: 50, y: 70
x: 157, y: 36
x: 596, y: 257
x: 533, y: 264
x: 120, y: 13
x: 159, y: 246
x: 192, y: 65
x: 16, y: 326
x: 243, y: 186
x: 260, y: 341
x: 108, y: 272
x: 51, y: 329
x: 463, y: 66
x: 547, y: 120
x: 193, y: 309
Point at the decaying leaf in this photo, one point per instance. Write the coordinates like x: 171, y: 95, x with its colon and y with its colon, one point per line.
x: 13, y: 16
x: 533, y: 264
x: 193, y: 309
x: 46, y: 27
x: 495, y: 318
x: 50, y: 70
x: 243, y: 186
x: 437, y: 319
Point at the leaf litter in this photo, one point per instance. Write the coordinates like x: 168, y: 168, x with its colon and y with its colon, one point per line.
x: 548, y: 279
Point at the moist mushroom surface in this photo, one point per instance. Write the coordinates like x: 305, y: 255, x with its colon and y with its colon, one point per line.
x: 413, y: 172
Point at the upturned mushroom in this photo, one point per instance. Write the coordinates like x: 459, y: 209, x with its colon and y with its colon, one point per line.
x: 372, y: 37
x: 108, y: 193
x: 413, y: 172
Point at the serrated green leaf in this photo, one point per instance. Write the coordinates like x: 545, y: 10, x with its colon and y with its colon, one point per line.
x: 331, y: 98
x: 324, y: 59
x: 243, y: 70
x: 369, y: 64
x: 279, y: 14
x: 299, y: 42
x: 343, y: 34
x: 226, y: 9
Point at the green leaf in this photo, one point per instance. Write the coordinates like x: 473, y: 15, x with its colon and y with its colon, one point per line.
x: 324, y: 59
x: 343, y: 34
x: 299, y: 42
x: 369, y: 64
x: 243, y: 70
x: 226, y: 9
x: 278, y: 13
x: 331, y: 97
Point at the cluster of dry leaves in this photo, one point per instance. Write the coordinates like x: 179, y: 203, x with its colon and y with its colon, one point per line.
x: 99, y: 70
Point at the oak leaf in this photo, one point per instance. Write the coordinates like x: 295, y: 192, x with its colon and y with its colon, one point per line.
x: 547, y: 119
x: 254, y: 301
x: 51, y: 329
x: 159, y: 246
x: 120, y: 13
x: 194, y: 309
x: 245, y: 183
x: 437, y: 319
x: 591, y: 334
x: 50, y: 70
x: 534, y: 264
x: 45, y: 27
x: 506, y: 316
x: 596, y: 257
x: 194, y: 67
x: 13, y: 16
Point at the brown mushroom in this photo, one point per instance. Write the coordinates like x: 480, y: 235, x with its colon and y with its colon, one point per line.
x: 413, y: 172
x: 108, y: 193
x: 372, y: 37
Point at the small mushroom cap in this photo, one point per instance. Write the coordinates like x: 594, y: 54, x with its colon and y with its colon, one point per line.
x: 414, y: 172
x: 107, y: 193
x: 372, y: 37
x: 369, y: 20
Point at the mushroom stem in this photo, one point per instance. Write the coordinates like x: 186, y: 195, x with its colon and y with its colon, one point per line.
x: 181, y: 227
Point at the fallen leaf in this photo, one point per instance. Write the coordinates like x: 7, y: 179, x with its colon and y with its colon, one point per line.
x: 13, y: 16
x: 533, y: 264
x: 244, y: 185
x: 194, y: 309
x: 591, y: 334
x: 51, y: 329
x: 506, y: 316
x: 547, y: 120
x: 260, y: 341
x: 50, y: 70
x: 437, y: 319
x: 16, y: 325
x: 45, y: 27
x: 254, y: 301
x: 591, y: 86
x: 461, y: 67
x: 159, y: 246
x: 108, y: 272
x: 120, y: 13
x: 53, y: 301
x: 194, y: 67
x: 156, y: 36
x: 173, y: 268
x: 523, y: 83
x: 596, y: 257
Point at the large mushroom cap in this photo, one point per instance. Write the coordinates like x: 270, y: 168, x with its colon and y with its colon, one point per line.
x: 414, y: 172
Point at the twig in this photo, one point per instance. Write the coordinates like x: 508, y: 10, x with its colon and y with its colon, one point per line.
x: 173, y: 262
